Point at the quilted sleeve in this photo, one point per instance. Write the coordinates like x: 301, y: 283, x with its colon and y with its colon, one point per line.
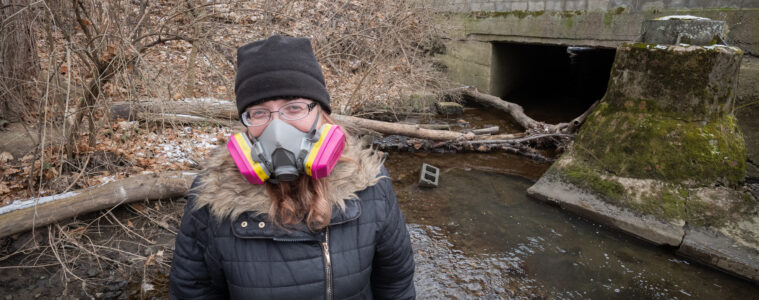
x: 393, y: 264
x: 195, y: 272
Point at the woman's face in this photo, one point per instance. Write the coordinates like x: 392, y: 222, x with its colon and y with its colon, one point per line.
x: 275, y: 105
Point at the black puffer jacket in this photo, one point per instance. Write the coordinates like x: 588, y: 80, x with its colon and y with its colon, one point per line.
x: 225, y: 251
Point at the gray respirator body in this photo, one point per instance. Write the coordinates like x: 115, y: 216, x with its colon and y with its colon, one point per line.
x: 282, y: 149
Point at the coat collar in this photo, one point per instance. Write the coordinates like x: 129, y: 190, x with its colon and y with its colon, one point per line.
x: 250, y: 225
x: 228, y: 195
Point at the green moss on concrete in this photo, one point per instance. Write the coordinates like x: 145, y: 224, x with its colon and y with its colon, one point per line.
x: 639, y: 143
x: 703, y: 213
x: 668, y: 202
x: 586, y: 177
x: 609, y: 15
x: 521, y: 14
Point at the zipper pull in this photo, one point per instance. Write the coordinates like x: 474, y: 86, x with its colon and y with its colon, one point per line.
x: 326, y: 246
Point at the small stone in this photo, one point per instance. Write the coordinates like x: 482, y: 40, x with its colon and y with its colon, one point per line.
x: 149, y: 250
x: 449, y: 108
x: 8, y: 297
x: 92, y: 272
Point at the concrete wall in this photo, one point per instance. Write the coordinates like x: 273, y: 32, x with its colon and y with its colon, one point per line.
x: 559, y: 5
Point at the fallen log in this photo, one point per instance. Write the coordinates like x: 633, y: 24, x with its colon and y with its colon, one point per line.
x: 517, y: 112
x: 21, y: 216
x: 514, y: 110
x: 189, y: 111
x: 520, y: 146
x: 205, y: 107
x: 186, y: 119
x: 415, y: 131
x: 487, y: 130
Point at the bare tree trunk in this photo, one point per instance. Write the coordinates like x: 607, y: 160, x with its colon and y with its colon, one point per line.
x: 19, y: 64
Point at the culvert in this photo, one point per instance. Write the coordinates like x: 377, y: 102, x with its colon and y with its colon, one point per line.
x: 553, y: 83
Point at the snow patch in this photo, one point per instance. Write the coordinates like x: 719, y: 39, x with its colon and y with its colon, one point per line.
x: 682, y: 17
x: 21, y: 204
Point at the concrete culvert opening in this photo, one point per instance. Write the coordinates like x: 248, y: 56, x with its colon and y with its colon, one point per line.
x: 553, y: 83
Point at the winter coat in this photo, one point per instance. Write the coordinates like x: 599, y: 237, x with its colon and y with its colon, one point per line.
x: 228, y: 249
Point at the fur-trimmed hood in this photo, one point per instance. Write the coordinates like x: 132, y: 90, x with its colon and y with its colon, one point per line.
x: 227, y: 194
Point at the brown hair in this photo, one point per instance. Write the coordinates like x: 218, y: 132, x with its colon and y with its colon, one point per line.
x: 302, y: 200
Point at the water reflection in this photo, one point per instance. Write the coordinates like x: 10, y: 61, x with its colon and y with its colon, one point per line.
x: 479, y: 235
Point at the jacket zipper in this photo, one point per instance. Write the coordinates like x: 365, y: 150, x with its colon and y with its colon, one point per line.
x: 327, y: 264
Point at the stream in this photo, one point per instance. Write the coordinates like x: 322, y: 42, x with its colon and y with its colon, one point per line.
x: 478, y: 235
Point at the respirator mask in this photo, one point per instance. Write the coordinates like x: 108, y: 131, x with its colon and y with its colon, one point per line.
x: 282, y: 152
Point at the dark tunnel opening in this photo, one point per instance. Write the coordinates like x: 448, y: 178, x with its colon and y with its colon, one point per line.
x: 552, y: 83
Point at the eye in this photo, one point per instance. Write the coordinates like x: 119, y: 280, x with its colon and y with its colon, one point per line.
x: 295, y: 107
x: 259, y: 113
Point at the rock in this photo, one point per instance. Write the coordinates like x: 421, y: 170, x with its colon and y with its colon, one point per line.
x: 111, y: 295
x: 419, y: 101
x: 149, y: 250
x: 449, y: 108
x: 92, y: 272
x: 43, y: 283
x: 115, y: 285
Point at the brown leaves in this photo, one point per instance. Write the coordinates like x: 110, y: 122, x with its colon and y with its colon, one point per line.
x: 4, y: 189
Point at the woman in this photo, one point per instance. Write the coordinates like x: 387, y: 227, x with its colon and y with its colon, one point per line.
x: 262, y: 224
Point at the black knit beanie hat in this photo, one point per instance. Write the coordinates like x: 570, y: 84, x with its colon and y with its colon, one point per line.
x: 279, y: 66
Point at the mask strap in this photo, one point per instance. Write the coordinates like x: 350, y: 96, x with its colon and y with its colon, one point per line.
x: 312, y: 131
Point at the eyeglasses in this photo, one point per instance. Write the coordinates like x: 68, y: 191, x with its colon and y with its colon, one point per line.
x: 289, y: 112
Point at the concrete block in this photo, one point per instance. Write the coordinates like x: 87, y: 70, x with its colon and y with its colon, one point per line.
x: 519, y: 5
x: 554, y: 5
x: 475, y: 6
x: 503, y: 6
x: 487, y: 7
x: 536, y: 5
x: 653, y: 5
x: 466, y: 73
x: 575, y: 5
x: 473, y: 51
x: 428, y: 176
x: 459, y: 8
x: 598, y: 5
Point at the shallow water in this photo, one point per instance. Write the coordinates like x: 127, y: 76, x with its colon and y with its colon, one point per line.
x: 478, y: 235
